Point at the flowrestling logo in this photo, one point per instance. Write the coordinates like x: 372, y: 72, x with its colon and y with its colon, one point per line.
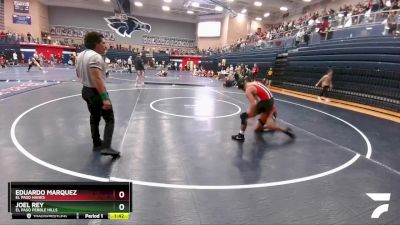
x: 125, y: 25
x: 379, y: 197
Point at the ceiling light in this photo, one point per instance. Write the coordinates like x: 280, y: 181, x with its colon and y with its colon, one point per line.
x: 306, y: 0
x: 167, y: 1
x: 106, y: 0
x: 138, y: 4
x: 258, y: 19
x: 243, y: 11
x: 219, y: 8
x: 267, y: 14
x: 258, y: 4
x: 190, y: 12
x: 165, y: 8
x: 283, y: 8
x: 231, y: 0
x: 195, y: 4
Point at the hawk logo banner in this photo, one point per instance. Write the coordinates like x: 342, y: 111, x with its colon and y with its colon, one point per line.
x: 125, y: 26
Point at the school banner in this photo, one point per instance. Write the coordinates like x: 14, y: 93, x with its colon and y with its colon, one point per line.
x: 18, y: 19
x: 168, y: 41
x: 21, y: 7
x: 78, y: 32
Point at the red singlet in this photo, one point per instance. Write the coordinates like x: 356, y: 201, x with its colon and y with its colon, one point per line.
x: 263, y: 93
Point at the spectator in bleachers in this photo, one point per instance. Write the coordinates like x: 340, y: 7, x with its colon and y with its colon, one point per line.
x: 395, y: 5
x: 197, y: 72
x: 254, y: 71
x: 29, y: 36
x: 2, y: 35
x: 299, y: 36
x: 306, y: 37
x: 324, y: 28
x: 229, y: 81
x: 326, y: 83
x: 392, y: 22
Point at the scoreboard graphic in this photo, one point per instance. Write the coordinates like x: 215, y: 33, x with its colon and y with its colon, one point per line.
x: 70, y: 200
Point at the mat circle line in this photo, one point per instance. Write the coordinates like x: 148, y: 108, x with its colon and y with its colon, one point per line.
x: 166, y: 185
x: 194, y: 117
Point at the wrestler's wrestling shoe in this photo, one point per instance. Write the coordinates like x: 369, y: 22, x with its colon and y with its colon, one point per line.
x: 289, y: 132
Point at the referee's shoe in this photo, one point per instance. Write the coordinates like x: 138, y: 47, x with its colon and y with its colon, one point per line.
x: 110, y: 152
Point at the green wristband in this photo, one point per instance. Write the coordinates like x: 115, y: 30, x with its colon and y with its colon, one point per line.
x: 105, y: 96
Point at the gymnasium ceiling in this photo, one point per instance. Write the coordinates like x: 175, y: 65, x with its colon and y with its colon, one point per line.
x: 179, y: 8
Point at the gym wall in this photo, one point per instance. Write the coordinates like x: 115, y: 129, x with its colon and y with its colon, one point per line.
x: 95, y: 19
x: 39, y: 17
x: 232, y: 28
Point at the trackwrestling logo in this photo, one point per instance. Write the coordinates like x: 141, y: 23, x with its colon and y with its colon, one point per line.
x: 127, y: 25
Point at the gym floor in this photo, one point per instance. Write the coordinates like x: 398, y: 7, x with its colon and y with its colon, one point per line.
x: 174, y: 138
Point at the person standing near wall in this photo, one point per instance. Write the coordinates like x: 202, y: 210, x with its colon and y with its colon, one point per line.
x: 73, y: 59
x: 52, y: 60
x: 15, y: 58
x: 130, y: 64
x: 139, y: 67
x: 90, y: 71
x: 268, y: 79
x: 326, y: 83
x: 254, y: 72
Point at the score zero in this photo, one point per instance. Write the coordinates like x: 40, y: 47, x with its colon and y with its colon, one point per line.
x: 121, y: 194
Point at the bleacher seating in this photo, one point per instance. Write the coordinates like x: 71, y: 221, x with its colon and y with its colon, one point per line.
x: 8, y: 49
x: 113, y: 54
x: 264, y: 58
x: 160, y: 57
x: 366, y: 70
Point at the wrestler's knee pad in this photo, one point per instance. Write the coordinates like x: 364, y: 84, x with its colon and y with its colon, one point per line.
x: 243, y: 118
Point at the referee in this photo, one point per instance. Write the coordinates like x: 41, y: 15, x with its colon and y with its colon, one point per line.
x: 91, y: 70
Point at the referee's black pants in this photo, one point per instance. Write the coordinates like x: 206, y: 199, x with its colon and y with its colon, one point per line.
x: 129, y: 68
x: 95, y: 106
